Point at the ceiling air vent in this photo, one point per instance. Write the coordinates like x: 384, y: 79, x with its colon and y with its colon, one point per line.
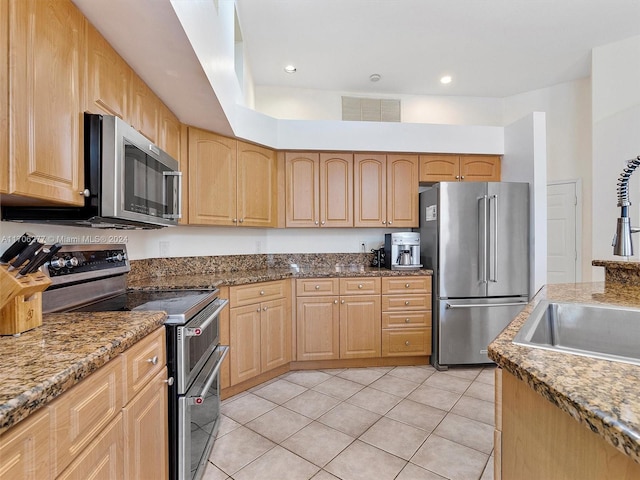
x: 371, y: 109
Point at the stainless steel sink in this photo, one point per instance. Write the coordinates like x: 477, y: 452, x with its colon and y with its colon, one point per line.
x: 606, y: 332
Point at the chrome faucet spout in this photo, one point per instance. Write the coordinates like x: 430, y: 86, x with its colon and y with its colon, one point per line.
x: 622, y: 241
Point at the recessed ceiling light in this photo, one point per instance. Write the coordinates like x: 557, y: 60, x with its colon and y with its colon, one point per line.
x: 375, y: 77
x: 446, y: 79
x: 290, y: 69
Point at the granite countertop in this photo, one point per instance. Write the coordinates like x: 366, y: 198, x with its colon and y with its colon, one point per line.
x: 41, y: 364
x: 602, y: 395
x: 242, y: 277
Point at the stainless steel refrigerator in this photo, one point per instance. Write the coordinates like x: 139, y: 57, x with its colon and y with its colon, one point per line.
x: 475, y: 237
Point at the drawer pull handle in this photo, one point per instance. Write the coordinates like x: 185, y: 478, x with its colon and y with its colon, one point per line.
x: 360, y: 285
x: 407, y: 343
x: 317, y: 287
x: 261, y: 292
x: 406, y: 302
x: 406, y: 285
x: 407, y: 320
x: 168, y: 381
x: 153, y: 360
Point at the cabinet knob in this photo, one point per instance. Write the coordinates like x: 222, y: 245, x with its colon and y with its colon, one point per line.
x: 407, y: 285
x: 406, y: 302
x: 335, y: 301
x: 360, y: 285
x: 85, y: 193
x: 316, y: 222
x: 457, y: 177
x: 390, y: 222
x: 153, y: 360
x: 407, y: 320
x: 235, y: 220
x: 462, y: 177
x: 261, y: 292
x: 317, y: 287
x: 342, y: 301
x: 264, y: 309
x: 168, y: 381
x: 322, y: 222
x: 384, y: 222
x: 241, y: 220
x: 407, y: 343
x: 258, y: 309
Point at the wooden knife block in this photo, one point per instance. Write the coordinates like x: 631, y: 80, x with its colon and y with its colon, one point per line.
x: 21, y: 300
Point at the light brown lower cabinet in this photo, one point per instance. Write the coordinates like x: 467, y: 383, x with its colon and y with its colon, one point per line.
x: 540, y: 441
x: 318, y: 328
x: 94, y: 430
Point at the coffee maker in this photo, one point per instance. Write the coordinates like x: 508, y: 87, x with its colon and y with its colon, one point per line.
x: 402, y: 251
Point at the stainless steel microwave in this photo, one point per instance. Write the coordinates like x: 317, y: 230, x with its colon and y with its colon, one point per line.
x: 130, y: 183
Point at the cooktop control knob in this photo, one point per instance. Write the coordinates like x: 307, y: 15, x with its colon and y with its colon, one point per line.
x: 71, y: 262
x: 116, y: 257
x: 57, y: 263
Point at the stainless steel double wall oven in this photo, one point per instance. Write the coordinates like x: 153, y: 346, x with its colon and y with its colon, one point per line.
x: 93, y: 278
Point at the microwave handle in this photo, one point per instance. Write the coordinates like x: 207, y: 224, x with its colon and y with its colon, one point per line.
x: 177, y: 182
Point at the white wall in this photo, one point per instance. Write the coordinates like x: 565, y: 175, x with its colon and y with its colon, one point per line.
x: 525, y: 160
x: 615, y: 73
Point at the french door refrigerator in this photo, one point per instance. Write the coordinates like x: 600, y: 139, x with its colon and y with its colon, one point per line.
x: 475, y: 238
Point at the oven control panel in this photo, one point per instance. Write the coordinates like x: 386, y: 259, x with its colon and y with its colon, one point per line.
x: 81, y: 259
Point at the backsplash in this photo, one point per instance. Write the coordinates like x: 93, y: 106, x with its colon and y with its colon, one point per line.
x: 163, y: 267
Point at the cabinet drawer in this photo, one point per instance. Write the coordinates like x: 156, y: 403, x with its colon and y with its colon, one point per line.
x: 406, y: 319
x: 143, y: 361
x: 255, y: 293
x: 399, y: 342
x: 78, y: 416
x: 360, y: 285
x: 406, y: 285
x: 316, y: 286
x: 405, y: 302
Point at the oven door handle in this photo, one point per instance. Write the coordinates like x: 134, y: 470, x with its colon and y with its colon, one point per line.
x: 197, y: 331
x: 199, y: 399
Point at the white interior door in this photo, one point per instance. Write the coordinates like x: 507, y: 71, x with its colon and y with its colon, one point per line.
x: 562, y: 233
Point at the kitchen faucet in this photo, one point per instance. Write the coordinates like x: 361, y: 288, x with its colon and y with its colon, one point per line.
x: 622, y: 242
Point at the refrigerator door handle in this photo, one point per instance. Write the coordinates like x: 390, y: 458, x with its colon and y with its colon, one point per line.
x: 482, y: 251
x: 494, y: 240
x: 475, y: 305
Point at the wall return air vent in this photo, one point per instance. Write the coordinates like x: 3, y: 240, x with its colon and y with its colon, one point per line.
x: 371, y: 109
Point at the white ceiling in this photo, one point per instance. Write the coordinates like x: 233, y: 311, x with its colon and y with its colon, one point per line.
x: 492, y: 48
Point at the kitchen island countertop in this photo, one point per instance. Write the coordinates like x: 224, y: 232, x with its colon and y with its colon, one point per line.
x: 602, y: 395
x: 41, y: 364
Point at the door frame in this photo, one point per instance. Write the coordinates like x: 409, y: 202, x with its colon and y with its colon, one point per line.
x: 578, y: 187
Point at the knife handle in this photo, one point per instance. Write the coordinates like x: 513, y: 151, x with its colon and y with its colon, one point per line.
x: 40, y: 259
x: 16, y: 247
x: 28, y: 252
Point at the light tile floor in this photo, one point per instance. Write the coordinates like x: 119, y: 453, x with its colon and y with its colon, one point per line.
x: 382, y: 423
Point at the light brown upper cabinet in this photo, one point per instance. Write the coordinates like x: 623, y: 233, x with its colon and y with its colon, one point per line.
x: 231, y: 182
x: 46, y: 74
x: 319, y: 189
x: 386, y: 190
x: 4, y: 99
x: 109, y: 77
x: 169, y: 132
x: 144, y: 109
x: 459, y: 168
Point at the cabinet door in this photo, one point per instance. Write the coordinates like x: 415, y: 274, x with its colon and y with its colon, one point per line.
x: 245, y: 342
x: 146, y: 434
x: 47, y: 101
x: 24, y: 450
x: 360, y: 326
x: 480, y: 168
x: 169, y: 130
x: 257, y: 186
x: 336, y: 190
x: 109, y: 77
x: 370, y: 190
x: 402, y: 190
x: 103, y: 459
x: 212, y: 178
x: 439, y: 168
x: 318, y: 328
x: 4, y: 96
x: 275, y: 332
x: 144, y: 109
x: 303, y: 189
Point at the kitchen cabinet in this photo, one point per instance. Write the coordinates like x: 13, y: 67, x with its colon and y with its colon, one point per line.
x: 259, y: 329
x: 385, y: 190
x: 539, y: 440
x: 4, y: 96
x: 459, y: 168
x: 169, y: 132
x: 46, y: 98
x: 406, y: 316
x: 144, y: 109
x: 319, y: 189
x: 231, y: 182
x: 338, y: 318
x: 112, y: 424
x: 24, y: 450
x: 108, y: 77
